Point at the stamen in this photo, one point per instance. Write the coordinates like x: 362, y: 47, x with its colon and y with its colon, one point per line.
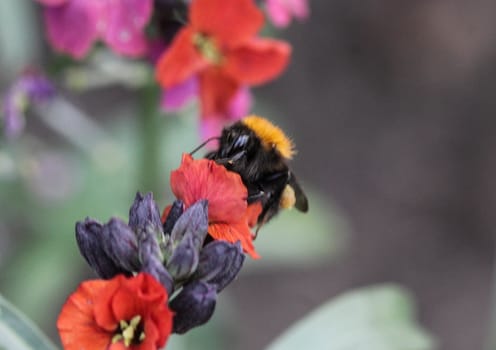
x: 207, y: 48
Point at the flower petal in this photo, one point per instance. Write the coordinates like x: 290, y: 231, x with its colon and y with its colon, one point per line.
x: 180, y: 61
x: 72, y: 27
x: 125, y: 23
x: 52, y: 2
x: 230, y: 22
x: 257, y: 61
x: 217, y: 90
x: 233, y: 233
x: 281, y: 12
x: 76, y: 324
x: 204, y: 179
x: 175, y: 97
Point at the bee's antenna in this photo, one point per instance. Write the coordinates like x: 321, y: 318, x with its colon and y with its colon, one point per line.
x: 203, y: 144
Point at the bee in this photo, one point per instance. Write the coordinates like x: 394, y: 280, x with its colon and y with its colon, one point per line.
x: 258, y: 151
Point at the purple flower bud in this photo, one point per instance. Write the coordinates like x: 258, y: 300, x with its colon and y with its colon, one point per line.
x: 89, y: 237
x: 143, y: 213
x: 154, y: 267
x: 152, y: 260
x: 174, y: 214
x: 184, y: 259
x: 120, y: 244
x: 194, y: 221
x: 220, y: 262
x: 193, y: 306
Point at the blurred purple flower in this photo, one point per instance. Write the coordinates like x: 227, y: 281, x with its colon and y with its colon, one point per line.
x: 29, y: 88
x: 175, y: 98
x: 281, y: 12
x: 73, y: 25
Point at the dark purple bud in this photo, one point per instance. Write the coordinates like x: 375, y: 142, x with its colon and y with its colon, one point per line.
x: 174, y: 214
x: 89, y: 239
x: 193, y: 306
x: 220, y: 262
x: 154, y: 267
x: 148, y: 245
x: 184, y: 259
x: 143, y: 213
x: 120, y: 244
x: 194, y: 221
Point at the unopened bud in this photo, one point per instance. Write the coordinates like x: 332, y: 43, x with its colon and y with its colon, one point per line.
x: 120, y: 243
x: 89, y: 239
x: 184, y: 259
x: 220, y: 262
x: 193, y: 306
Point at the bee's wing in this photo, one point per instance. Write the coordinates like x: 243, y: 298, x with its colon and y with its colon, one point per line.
x: 301, y: 199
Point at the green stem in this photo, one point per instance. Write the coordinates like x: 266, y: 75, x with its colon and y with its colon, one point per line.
x: 150, y: 129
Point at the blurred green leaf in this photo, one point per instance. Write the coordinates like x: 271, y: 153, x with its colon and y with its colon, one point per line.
x: 18, y: 333
x: 373, y: 318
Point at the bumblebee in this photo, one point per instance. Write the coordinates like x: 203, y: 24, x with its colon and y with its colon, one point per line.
x: 258, y: 151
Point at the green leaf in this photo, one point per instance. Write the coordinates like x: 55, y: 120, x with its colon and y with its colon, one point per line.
x: 373, y: 318
x: 17, y: 332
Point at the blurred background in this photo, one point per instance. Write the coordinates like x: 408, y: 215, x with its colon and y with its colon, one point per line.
x: 392, y: 107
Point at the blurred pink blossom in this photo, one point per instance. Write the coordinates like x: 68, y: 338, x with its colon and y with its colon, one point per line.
x: 72, y: 26
x: 281, y: 12
x: 175, y: 98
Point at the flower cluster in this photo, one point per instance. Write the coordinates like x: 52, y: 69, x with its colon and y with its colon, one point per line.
x: 204, y: 48
x: 160, y: 275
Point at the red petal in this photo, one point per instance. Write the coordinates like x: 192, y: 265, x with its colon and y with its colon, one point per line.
x: 180, y: 61
x: 216, y: 91
x: 257, y: 61
x: 76, y: 324
x: 252, y: 213
x: 233, y: 233
x: 204, y: 179
x: 230, y: 22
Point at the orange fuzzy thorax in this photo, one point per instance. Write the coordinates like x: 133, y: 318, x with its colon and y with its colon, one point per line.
x: 270, y: 135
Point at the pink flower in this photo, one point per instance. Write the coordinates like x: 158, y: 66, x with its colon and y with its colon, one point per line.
x: 72, y: 26
x: 176, y: 97
x: 281, y: 12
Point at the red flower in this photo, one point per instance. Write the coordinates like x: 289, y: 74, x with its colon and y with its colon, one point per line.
x: 228, y: 213
x: 114, y: 314
x: 219, y: 45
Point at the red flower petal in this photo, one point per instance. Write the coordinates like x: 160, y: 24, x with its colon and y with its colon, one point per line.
x: 233, y: 233
x: 230, y: 22
x: 180, y: 61
x: 205, y: 179
x: 257, y: 61
x: 90, y: 317
x: 217, y: 91
x: 76, y: 324
x: 252, y: 213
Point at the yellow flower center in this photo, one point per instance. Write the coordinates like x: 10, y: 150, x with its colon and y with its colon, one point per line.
x: 130, y: 332
x: 207, y: 48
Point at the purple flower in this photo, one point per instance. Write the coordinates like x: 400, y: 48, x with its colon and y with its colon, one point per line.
x: 73, y: 25
x: 30, y: 88
x: 281, y: 12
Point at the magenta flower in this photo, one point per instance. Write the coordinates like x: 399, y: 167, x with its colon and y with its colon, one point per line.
x: 72, y: 26
x: 281, y: 12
